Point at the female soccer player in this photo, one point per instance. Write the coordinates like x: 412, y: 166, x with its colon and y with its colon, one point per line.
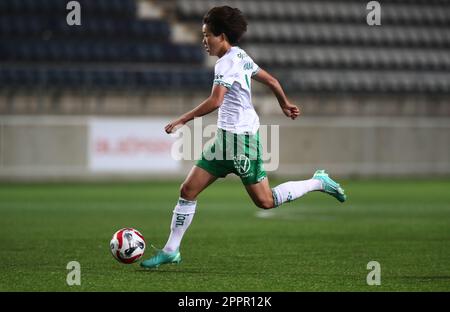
x: 236, y: 148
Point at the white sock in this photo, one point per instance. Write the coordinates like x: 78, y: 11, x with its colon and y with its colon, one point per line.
x: 289, y: 191
x: 181, y: 219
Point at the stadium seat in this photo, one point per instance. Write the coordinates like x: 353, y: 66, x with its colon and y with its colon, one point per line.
x: 314, y: 45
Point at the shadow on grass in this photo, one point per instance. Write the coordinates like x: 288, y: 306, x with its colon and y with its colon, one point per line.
x: 192, y: 271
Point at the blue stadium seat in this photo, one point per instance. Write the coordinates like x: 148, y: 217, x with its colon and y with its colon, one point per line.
x: 315, y: 45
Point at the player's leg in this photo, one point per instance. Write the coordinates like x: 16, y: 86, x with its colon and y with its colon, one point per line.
x: 249, y: 167
x: 261, y: 194
x: 292, y: 190
x: 197, y: 180
x: 320, y: 181
x: 265, y: 197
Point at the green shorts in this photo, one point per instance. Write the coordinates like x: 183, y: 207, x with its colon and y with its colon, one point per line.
x: 234, y: 153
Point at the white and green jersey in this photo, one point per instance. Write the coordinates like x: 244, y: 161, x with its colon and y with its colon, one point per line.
x: 234, y: 71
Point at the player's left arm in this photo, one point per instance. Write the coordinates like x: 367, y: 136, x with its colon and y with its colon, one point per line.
x: 207, y: 106
x: 289, y: 109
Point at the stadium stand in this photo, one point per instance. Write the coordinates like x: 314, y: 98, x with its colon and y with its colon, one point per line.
x: 328, y: 46
x: 39, y: 50
x: 311, y: 46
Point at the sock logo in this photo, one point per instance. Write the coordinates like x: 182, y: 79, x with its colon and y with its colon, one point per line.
x: 184, y: 202
x: 289, y: 197
x: 180, y: 219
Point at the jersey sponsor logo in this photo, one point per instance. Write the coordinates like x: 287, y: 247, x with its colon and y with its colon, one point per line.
x: 248, y: 66
x: 241, y: 55
x: 218, y: 77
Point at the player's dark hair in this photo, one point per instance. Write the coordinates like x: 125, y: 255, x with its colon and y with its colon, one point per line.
x: 228, y: 21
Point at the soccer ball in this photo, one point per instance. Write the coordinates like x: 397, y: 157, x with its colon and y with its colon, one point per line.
x: 127, y: 245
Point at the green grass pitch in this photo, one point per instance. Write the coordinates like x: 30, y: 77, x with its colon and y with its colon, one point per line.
x: 312, y: 244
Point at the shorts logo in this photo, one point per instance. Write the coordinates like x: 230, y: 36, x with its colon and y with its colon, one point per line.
x: 242, y: 164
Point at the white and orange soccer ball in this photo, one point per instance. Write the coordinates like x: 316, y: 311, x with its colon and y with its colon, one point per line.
x: 127, y: 245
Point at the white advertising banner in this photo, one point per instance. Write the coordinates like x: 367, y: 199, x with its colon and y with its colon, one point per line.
x: 130, y: 145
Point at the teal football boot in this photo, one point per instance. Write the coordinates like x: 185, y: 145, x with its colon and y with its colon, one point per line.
x: 162, y: 258
x: 330, y: 186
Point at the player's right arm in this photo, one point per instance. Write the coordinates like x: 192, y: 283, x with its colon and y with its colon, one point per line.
x: 224, y: 71
x: 207, y: 106
x: 289, y: 109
